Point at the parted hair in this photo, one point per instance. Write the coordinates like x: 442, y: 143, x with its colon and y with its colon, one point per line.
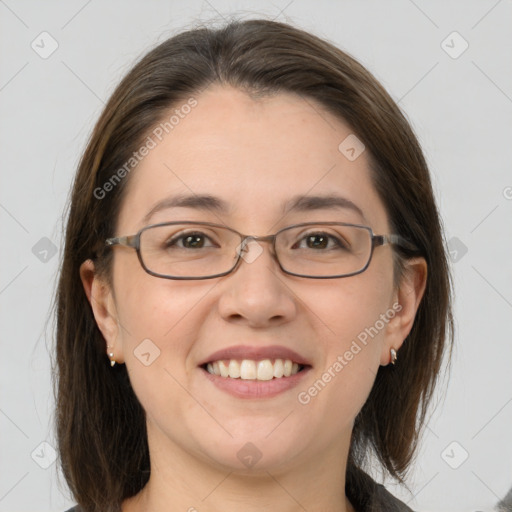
x: 100, y: 424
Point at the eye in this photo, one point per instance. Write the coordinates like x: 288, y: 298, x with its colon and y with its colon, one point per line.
x: 319, y: 241
x: 191, y: 240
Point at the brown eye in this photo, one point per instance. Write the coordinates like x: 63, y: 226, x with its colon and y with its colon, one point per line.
x: 320, y: 241
x: 317, y: 241
x: 193, y: 241
x: 189, y: 241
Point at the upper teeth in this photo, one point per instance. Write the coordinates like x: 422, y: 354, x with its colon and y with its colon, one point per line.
x: 248, y: 369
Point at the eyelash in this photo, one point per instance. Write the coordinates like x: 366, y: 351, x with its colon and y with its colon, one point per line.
x: 174, y: 240
x: 337, y: 241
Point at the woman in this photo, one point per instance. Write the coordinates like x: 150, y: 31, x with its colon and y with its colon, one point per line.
x: 254, y: 297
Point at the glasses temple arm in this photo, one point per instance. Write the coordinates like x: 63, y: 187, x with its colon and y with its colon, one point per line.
x: 128, y: 241
x: 394, y: 240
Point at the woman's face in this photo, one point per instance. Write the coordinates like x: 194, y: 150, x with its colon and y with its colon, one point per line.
x: 257, y: 158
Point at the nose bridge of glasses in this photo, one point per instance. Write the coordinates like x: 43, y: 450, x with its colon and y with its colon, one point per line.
x: 247, y: 239
x: 256, y: 238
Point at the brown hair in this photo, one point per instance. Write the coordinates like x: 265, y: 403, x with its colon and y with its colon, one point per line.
x: 100, y: 423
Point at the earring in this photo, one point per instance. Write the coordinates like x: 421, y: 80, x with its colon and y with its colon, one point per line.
x: 393, y: 356
x: 111, y: 355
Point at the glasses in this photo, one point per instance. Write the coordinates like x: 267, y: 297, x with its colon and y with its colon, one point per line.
x: 203, y: 250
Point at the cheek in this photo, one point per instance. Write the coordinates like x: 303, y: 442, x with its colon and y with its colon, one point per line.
x: 344, y: 308
x: 349, y: 320
x: 160, y: 322
x: 165, y: 312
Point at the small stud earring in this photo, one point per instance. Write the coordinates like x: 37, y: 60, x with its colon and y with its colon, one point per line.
x: 393, y: 356
x: 111, y: 355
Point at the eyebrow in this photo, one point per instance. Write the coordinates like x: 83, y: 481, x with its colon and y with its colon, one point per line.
x: 208, y: 202
x: 201, y: 202
x: 327, y: 202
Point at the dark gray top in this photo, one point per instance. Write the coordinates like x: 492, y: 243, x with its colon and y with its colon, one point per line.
x: 368, y: 497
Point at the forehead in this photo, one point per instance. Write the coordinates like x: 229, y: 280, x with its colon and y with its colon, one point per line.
x: 257, y: 156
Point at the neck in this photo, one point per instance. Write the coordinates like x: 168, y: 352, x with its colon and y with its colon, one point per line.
x: 180, y: 481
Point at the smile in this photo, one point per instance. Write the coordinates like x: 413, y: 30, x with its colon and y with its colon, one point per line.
x: 249, y: 369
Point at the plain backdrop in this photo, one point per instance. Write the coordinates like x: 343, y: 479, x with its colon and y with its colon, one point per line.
x: 456, y: 90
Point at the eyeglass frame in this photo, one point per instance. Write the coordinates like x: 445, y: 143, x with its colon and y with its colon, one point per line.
x: 133, y: 241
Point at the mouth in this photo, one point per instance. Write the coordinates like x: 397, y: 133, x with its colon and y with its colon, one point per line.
x: 255, y: 372
x: 250, y: 369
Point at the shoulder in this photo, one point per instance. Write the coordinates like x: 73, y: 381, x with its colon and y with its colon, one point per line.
x: 366, y: 495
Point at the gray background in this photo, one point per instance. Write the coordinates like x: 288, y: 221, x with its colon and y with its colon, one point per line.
x: 460, y: 108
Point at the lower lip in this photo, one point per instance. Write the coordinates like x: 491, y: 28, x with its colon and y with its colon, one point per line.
x: 256, y: 388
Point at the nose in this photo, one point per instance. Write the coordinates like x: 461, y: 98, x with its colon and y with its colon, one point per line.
x: 255, y: 293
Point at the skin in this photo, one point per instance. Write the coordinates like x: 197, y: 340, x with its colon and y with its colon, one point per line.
x: 250, y: 153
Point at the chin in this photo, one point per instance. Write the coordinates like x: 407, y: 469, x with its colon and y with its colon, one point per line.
x: 253, y: 454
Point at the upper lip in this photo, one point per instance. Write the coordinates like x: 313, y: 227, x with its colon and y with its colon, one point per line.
x: 256, y: 353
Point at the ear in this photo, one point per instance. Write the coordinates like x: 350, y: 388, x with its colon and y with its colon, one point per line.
x: 103, y: 306
x: 406, y: 300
